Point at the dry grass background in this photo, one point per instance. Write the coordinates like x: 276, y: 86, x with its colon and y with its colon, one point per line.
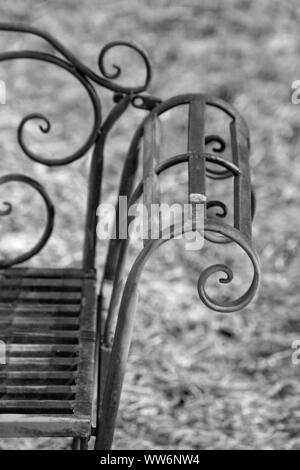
x: 195, y: 379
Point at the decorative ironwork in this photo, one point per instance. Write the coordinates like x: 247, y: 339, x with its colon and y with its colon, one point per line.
x: 201, y: 149
x: 50, y: 211
x: 236, y: 169
x: 119, y: 324
x: 86, y: 77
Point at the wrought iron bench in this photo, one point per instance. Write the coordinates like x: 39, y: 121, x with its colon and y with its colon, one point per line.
x: 66, y: 344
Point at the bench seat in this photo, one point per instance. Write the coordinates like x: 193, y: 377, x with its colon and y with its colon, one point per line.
x: 48, y: 329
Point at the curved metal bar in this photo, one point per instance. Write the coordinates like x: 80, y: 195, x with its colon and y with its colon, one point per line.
x: 95, y: 178
x: 179, y: 100
x: 43, y: 57
x: 218, y: 140
x: 211, y: 173
x: 113, y: 75
x: 49, y: 220
x: 118, y: 248
x: 93, y: 200
x: 126, y: 316
x: 223, y: 240
x: 210, y: 101
x: 210, y: 157
x: 253, y: 202
x: 222, y: 214
x: 230, y: 167
x: 125, y: 189
x: 131, y: 163
x: 211, y: 225
x: 217, y: 175
x: 214, y: 102
x: 83, y: 69
x: 231, y: 306
x: 182, y: 158
x: 8, y: 209
x: 221, y: 205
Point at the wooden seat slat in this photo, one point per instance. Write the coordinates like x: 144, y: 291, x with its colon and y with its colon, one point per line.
x: 36, y: 389
x: 35, y: 283
x: 42, y: 309
x: 37, y: 350
x: 48, y: 322
x: 13, y: 295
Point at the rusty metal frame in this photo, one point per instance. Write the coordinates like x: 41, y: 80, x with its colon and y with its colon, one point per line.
x: 115, y: 324
x: 119, y: 324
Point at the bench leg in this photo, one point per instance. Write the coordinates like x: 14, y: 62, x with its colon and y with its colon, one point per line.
x: 80, y: 444
x: 76, y: 443
x: 84, y: 444
x: 116, y: 370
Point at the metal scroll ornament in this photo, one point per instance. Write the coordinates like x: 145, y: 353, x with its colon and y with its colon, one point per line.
x: 202, y: 148
x: 87, y: 78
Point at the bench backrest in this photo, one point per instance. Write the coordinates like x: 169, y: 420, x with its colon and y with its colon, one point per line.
x: 63, y: 59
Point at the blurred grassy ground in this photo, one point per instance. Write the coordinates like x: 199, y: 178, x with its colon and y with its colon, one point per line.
x: 196, y: 379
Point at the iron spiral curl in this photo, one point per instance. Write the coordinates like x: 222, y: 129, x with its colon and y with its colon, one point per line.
x: 210, y: 225
x: 219, y: 148
x: 84, y: 70
x: 233, y: 305
x: 45, y: 128
x: 117, y: 69
x: 221, y: 205
x: 7, y: 211
x: 81, y: 73
x: 50, y: 212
